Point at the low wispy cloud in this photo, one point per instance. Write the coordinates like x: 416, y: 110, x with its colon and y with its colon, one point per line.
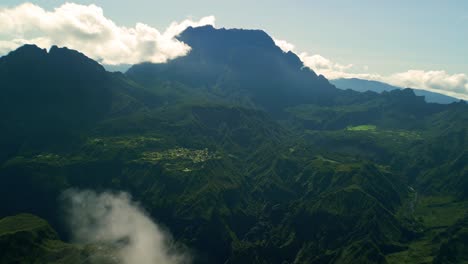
x: 439, y: 81
x: 113, y: 219
x: 87, y: 29
x: 324, y: 66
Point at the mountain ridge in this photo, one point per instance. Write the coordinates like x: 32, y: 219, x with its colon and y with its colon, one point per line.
x: 361, y: 85
x: 255, y: 70
x: 337, y: 177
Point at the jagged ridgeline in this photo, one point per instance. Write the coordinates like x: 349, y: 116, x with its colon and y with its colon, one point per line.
x: 241, y: 152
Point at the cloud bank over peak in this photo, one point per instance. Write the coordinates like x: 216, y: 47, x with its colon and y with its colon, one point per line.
x: 85, y: 28
x: 439, y: 81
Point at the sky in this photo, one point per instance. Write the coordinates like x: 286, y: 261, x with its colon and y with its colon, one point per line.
x: 419, y: 44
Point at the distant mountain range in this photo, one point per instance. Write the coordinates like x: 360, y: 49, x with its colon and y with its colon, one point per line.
x: 379, y: 87
x: 236, y: 149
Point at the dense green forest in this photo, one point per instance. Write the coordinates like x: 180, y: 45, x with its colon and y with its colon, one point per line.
x: 240, y: 152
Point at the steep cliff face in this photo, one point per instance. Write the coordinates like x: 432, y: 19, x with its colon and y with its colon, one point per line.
x: 240, y: 64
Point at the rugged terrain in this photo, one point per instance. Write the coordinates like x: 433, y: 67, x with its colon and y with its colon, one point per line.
x: 242, y: 153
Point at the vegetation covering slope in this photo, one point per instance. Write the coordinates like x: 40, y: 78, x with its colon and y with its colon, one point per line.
x: 243, y: 154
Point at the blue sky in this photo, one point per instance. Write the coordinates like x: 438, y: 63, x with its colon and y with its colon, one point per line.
x: 377, y: 37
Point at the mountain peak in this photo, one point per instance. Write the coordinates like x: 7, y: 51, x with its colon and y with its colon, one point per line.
x: 205, y: 27
x: 61, y: 59
x: 210, y: 37
x: 27, y: 48
x: 51, y: 90
x: 221, y: 45
x: 26, y: 52
x: 240, y: 62
x: 74, y: 59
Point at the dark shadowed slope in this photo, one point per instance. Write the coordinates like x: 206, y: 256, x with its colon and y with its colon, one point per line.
x: 243, y: 65
x: 49, y: 97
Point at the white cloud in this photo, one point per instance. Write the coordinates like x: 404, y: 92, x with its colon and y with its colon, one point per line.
x: 324, y: 66
x: 436, y: 81
x: 116, y: 220
x: 85, y: 28
x: 284, y: 45
x: 455, y: 85
x: 316, y: 62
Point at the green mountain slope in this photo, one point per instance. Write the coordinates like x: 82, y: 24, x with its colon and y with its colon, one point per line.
x: 28, y: 239
x: 244, y: 155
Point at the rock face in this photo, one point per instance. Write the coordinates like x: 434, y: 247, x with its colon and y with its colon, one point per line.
x: 238, y: 63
